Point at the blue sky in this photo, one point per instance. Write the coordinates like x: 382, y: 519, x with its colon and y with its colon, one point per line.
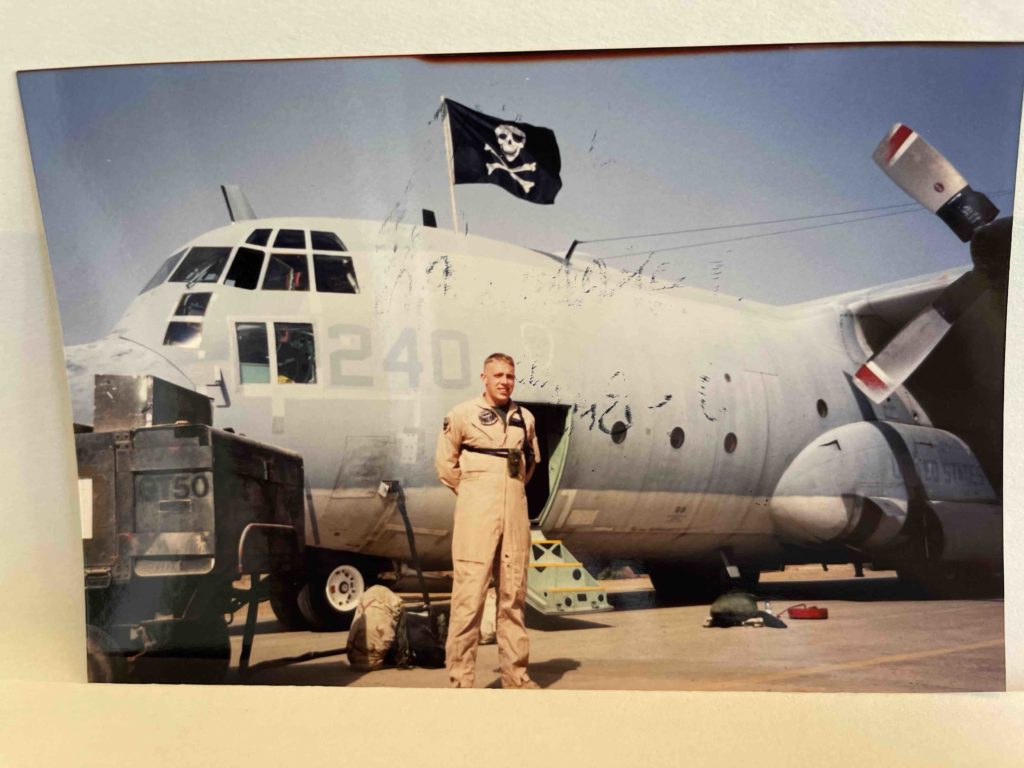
x: 129, y: 160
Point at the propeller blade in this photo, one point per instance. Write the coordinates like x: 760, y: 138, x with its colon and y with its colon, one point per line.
x: 898, y: 359
x: 923, y: 173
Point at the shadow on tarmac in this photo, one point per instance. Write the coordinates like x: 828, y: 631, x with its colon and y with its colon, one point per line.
x: 545, y: 673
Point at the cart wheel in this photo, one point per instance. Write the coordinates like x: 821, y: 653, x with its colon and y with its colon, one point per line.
x: 284, y: 601
x: 196, y: 651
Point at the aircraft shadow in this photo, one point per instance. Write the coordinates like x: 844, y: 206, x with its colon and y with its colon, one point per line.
x: 542, y: 623
x: 855, y: 590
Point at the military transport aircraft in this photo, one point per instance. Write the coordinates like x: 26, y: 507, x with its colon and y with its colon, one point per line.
x: 682, y: 428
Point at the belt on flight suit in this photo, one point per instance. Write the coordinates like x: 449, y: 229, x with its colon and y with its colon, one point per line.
x: 512, y: 456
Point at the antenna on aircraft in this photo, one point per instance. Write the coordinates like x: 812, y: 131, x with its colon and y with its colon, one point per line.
x: 238, y: 205
x: 928, y: 177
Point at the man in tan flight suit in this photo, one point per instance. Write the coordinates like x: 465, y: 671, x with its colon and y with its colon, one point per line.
x: 486, y: 454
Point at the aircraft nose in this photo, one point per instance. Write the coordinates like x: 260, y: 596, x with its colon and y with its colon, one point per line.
x: 112, y: 355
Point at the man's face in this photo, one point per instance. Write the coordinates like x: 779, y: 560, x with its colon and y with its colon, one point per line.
x: 499, y: 379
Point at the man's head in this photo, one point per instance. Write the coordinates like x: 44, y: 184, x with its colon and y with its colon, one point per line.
x: 499, y: 378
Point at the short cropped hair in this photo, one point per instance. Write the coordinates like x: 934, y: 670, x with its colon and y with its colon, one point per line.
x: 500, y: 356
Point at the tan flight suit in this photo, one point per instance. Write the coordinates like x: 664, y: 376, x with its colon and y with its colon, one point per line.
x: 491, y: 534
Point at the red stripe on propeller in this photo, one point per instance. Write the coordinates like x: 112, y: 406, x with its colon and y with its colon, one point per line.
x: 896, y: 141
x: 868, y: 378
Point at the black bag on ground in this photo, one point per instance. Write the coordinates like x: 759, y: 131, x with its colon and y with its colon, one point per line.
x: 419, y: 639
x: 732, y: 609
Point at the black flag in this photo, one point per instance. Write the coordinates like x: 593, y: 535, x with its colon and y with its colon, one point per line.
x: 520, y: 158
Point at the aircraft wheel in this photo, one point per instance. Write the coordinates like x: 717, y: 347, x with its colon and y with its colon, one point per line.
x: 104, y: 662
x: 686, y: 585
x: 284, y: 601
x: 328, y: 600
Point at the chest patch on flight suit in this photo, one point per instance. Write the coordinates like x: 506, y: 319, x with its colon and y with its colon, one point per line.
x: 487, y: 418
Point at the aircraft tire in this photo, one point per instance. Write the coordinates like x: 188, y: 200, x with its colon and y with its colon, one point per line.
x: 104, y: 662
x: 327, y: 601
x: 683, y: 585
x: 284, y: 601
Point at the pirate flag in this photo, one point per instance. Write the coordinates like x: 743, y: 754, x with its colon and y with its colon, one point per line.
x: 520, y: 158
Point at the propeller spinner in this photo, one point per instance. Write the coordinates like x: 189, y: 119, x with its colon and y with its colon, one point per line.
x: 928, y: 177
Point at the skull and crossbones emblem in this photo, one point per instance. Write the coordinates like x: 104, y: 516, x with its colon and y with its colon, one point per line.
x: 511, y: 141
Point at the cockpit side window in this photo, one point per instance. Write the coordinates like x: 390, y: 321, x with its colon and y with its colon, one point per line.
x: 287, y: 272
x: 296, y: 353
x: 253, y: 354
x: 163, y: 272
x: 335, y: 274
x: 290, y: 238
x: 183, y: 335
x: 202, y: 265
x: 327, y: 241
x: 245, y: 269
x: 193, y: 304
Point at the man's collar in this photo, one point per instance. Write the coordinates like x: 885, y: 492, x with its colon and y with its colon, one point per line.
x: 482, y: 402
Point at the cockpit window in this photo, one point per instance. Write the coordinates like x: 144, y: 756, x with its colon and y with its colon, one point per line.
x: 253, y: 357
x: 290, y: 238
x: 163, y: 272
x: 258, y: 237
x: 193, y: 304
x: 327, y: 241
x: 296, y: 353
x: 335, y: 274
x: 287, y: 272
x: 183, y: 334
x: 202, y: 265
x: 245, y: 269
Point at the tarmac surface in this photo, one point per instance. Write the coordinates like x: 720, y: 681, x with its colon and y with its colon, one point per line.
x: 879, y: 637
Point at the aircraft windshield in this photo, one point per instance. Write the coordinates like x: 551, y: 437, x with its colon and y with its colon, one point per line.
x: 290, y: 238
x: 245, y: 269
x: 327, y: 241
x: 202, y: 265
x: 335, y: 274
x: 287, y: 272
x: 163, y: 272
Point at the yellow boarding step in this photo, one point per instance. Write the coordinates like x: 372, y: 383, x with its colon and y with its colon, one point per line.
x: 556, y: 565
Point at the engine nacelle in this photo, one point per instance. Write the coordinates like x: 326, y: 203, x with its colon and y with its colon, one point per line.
x: 872, y: 486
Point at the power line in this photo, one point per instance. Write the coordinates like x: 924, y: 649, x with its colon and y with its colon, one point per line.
x: 917, y: 209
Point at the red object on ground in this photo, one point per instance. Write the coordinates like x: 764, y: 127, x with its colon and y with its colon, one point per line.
x: 807, y: 612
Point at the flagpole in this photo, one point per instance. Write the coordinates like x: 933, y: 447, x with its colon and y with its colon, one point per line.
x: 451, y: 164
